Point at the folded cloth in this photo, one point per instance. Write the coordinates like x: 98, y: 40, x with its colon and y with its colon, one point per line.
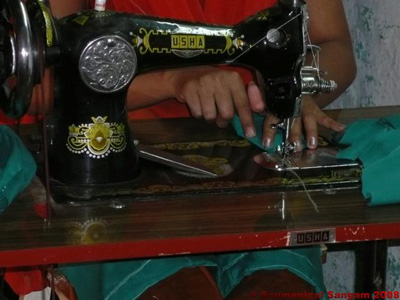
x: 376, y: 143
x: 257, y: 140
x: 17, y: 166
x: 128, y: 279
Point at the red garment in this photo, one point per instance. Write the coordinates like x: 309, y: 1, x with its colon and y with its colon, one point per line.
x: 26, y: 281
x: 227, y: 12
x: 24, y: 120
x: 209, y: 11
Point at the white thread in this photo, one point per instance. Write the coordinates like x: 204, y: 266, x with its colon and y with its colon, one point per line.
x: 100, y: 5
x: 303, y: 184
x: 314, y: 62
x: 260, y: 40
x: 138, y: 7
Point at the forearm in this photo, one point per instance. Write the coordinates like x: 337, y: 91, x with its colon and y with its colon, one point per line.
x: 153, y: 87
x: 62, y: 8
x: 148, y: 89
x: 337, y: 60
x: 329, y: 30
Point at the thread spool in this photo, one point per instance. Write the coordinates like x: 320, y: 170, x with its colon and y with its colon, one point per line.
x: 100, y: 5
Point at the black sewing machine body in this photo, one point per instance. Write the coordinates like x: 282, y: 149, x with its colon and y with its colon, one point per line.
x: 102, y: 51
x: 97, y: 54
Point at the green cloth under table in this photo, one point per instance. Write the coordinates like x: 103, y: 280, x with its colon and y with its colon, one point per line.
x: 17, y: 166
x: 129, y: 278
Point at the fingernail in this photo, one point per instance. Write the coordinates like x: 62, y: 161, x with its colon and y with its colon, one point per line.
x: 257, y: 159
x: 341, y: 127
x: 250, y: 132
x: 267, y: 143
x: 312, y: 142
x: 298, y: 146
x: 181, y: 99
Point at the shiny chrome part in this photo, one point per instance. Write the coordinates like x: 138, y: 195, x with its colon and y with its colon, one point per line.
x: 286, y: 147
x: 276, y: 38
x: 311, y: 76
x: 282, y: 207
x: 293, y: 3
x: 312, y: 82
x: 21, y: 65
x: 108, y: 64
x: 173, y: 161
x: 321, y: 158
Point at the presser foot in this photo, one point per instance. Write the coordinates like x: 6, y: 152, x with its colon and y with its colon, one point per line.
x: 320, y: 159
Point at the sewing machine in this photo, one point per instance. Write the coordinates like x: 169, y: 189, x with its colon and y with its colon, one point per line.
x: 97, y: 54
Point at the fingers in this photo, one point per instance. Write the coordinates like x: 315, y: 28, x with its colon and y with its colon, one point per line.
x: 191, y: 97
x: 216, y: 94
x: 311, y: 129
x: 242, y: 105
x: 225, y: 107
x: 206, y: 93
x: 313, y: 116
x: 296, y: 134
x: 256, y: 99
x: 269, y: 130
x: 328, y: 122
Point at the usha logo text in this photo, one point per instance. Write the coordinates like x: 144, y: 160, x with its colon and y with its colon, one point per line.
x: 313, y: 237
x: 181, y: 41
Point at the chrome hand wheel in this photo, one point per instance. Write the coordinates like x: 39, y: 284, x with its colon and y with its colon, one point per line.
x: 18, y: 58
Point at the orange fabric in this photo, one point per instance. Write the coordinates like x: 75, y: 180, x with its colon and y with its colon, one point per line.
x: 210, y: 278
x: 25, y: 120
x: 27, y: 280
x: 210, y: 11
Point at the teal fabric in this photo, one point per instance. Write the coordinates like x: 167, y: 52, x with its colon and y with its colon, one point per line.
x: 376, y: 143
x: 17, y: 166
x: 304, y: 262
x: 128, y: 279
x: 125, y: 279
x: 257, y: 140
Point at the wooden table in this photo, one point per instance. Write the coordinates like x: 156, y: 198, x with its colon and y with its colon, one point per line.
x: 166, y: 224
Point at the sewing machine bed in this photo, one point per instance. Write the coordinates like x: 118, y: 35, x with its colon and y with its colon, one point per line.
x: 239, y: 215
x: 222, y: 151
x: 232, y: 160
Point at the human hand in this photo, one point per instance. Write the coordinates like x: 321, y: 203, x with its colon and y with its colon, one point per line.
x: 216, y: 94
x: 311, y: 117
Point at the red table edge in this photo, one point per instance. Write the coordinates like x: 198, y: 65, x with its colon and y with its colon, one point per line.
x: 185, y: 245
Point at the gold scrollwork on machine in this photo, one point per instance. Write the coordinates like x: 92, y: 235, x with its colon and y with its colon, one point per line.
x: 48, y: 23
x: 142, y: 41
x: 185, y: 45
x: 97, y: 139
x: 197, y: 145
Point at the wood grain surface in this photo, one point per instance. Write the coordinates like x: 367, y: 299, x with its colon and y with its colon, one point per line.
x: 163, y: 224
